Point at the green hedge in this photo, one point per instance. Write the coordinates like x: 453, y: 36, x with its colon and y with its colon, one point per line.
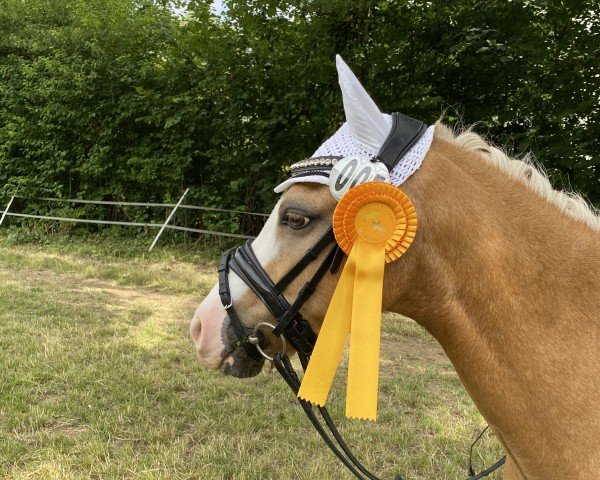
x: 124, y: 99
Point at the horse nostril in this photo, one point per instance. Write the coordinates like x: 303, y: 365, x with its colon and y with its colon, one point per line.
x: 195, y: 327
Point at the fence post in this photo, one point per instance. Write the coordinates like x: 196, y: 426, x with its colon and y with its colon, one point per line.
x: 168, y: 220
x: 6, y: 209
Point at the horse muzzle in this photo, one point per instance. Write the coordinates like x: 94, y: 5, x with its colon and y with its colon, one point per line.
x: 215, y: 340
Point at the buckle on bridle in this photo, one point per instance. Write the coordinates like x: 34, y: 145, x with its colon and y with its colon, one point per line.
x: 255, y: 340
x: 228, y: 306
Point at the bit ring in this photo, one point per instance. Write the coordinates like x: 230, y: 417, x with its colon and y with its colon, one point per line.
x: 255, y: 340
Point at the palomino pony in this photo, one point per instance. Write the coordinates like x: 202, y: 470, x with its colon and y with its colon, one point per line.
x: 504, y: 272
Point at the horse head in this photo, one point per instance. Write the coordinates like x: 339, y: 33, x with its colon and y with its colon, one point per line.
x: 298, y: 220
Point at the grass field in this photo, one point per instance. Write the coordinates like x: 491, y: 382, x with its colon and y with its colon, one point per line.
x: 98, y: 380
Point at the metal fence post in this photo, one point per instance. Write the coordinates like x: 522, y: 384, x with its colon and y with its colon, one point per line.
x: 6, y: 209
x: 168, y: 220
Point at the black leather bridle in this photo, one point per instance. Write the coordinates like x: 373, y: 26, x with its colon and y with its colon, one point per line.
x: 290, y: 323
x: 290, y: 326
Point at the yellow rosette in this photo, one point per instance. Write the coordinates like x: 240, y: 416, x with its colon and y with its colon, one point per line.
x: 374, y: 223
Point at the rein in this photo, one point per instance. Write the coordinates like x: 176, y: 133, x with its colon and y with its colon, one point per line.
x: 291, y: 326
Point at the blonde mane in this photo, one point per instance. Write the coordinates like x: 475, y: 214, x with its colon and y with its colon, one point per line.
x: 526, y: 171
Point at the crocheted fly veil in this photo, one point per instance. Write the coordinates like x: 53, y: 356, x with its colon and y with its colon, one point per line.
x: 363, y: 133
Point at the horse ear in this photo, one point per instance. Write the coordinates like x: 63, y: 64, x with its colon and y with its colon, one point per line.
x: 367, y: 124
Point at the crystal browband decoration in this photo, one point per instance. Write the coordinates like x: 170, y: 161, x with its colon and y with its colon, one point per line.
x: 315, y: 162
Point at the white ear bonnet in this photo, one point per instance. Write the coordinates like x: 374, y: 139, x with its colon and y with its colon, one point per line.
x: 364, y: 132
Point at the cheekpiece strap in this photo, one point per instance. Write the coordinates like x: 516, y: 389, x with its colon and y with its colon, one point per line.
x: 406, y: 131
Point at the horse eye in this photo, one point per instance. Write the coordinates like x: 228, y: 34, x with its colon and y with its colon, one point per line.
x: 295, y: 220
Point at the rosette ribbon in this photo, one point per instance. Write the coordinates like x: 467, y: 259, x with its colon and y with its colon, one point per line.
x: 374, y: 224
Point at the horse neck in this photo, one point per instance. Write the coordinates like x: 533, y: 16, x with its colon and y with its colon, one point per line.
x: 508, y: 285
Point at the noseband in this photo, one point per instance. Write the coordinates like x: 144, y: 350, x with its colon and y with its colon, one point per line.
x: 290, y: 325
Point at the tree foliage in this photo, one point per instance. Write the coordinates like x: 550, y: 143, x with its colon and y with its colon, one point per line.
x: 132, y: 99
